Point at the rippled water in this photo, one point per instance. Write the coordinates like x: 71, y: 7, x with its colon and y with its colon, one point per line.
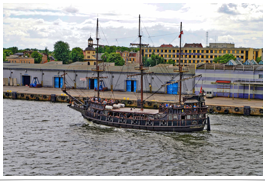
x: 43, y: 138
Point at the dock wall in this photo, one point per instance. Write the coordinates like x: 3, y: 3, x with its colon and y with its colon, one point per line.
x: 63, y: 98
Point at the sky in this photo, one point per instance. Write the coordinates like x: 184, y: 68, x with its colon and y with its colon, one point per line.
x: 29, y: 25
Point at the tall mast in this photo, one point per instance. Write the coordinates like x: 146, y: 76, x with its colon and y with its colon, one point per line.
x: 97, y: 67
x: 180, y: 68
x: 141, y: 67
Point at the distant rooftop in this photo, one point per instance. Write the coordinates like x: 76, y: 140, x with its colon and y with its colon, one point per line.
x: 229, y: 67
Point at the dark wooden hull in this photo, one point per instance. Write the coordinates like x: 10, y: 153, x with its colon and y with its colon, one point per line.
x: 189, y: 128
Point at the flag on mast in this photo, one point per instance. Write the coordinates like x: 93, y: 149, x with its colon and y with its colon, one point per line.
x: 180, y: 34
x: 201, y: 90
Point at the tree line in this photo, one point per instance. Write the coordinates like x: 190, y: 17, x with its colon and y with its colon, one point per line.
x: 62, y: 53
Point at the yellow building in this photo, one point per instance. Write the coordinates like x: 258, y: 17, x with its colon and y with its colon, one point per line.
x: 196, y: 55
x: 90, y: 53
x: 13, y: 59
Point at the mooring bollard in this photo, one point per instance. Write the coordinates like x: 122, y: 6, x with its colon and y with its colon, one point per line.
x: 53, y: 97
x: 208, y: 124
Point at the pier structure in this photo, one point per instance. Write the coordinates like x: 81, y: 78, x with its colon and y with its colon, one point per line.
x: 216, y: 105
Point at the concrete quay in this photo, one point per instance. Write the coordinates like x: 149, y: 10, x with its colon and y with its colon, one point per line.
x: 216, y: 104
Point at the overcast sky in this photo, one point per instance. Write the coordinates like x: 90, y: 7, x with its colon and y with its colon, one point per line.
x: 41, y: 25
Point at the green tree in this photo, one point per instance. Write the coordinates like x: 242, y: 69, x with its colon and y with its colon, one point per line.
x: 4, y: 57
x: 77, y: 54
x: 115, y: 57
x: 14, y: 50
x: 8, y: 52
x: 105, y: 56
x: 258, y: 59
x: 170, y: 61
x: 100, y: 49
x: 154, y: 60
x: 37, y: 57
x: 224, y: 59
x: 61, y: 51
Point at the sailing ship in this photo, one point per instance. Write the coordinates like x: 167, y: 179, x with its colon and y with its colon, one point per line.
x: 184, y: 116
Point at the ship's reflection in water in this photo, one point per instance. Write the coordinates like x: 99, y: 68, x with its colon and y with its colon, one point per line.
x: 41, y: 138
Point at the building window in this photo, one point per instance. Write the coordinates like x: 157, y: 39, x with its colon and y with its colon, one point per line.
x: 177, y: 51
x: 206, y: 56
x: 233, y: 51
x: 149, y: 55
x: 189, y: 51
x: 215, y: 51
x: 242, y: 51
x: 237, y: 51
x: 193, y: 61
x: 161, y: 51
x: 88, y: 56
x: 173, y: 51
x: 211, y: 56
x: 207, y: 51
x: 145, y: 50
x: 189, y: 61
x: 260, y: 76
x: 169, y: 51
x: 149, y: 50
x: 211, y: 51
x: 157, y: 51
x: 161, y: 55
x: 173, y: 56
x: 169, y: 56
x: 228, y: 51
x: 165, y: 51
x: 202, y: 51
x: 220, y: 51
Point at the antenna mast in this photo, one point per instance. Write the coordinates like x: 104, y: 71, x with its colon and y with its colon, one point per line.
x: 141, y: 66
x: 180, y: 67
x: 206, y: 39
x: 97, y: 67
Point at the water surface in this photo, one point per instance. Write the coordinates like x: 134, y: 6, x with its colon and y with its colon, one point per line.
x: 50, y: 139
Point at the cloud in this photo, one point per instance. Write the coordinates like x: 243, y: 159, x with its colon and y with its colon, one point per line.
x: 40, y: 21
x: 57, y: 22
x: 70, y: 9
x: 224, y: 9
x: 49, y: 23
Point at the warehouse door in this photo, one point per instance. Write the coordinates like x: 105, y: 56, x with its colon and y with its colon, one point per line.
x: 25, y: 80
x: 131, y: 85
x: 93, y: 83
x: 58, y: 82
x: 172, y: 88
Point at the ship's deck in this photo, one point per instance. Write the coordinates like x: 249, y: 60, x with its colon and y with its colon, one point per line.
x: 136, y: 110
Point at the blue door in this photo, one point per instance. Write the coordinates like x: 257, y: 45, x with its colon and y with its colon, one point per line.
x: 90, y: 83
x: 169, y: 88
x: 56, y: 82
x: 172, y: 88
x: 128, y: 85
x: 96, y: 83
x: 134, y: 86
x: 61, y: 82
x: 175, y: 88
